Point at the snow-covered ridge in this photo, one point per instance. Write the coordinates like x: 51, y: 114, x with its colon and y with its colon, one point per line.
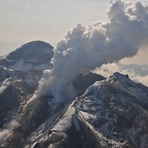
x: 111, y: 113
x: 117, y: 108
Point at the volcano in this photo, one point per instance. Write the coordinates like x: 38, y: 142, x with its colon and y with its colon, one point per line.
x: 106, y: 112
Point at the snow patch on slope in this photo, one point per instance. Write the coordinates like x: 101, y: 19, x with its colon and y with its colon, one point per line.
x: 4, y: 85
x: 66, y: 121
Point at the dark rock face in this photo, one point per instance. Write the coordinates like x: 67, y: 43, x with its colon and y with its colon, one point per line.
x: 83, y: 82
x: 9, y: 99
x: 4, y: 73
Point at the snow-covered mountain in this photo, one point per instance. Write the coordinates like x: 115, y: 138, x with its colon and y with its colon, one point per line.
x: 112, y: 113
x: 107, y: 113
x: 20, y: 72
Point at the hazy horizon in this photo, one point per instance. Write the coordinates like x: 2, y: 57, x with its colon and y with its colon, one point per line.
x: 24, y: 21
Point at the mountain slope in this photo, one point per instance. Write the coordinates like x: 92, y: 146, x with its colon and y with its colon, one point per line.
x: 107, y: 113
x: 21, y: 71
x: 111, y: 113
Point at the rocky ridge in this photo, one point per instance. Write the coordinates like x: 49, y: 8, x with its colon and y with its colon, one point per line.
x: 112, y: 113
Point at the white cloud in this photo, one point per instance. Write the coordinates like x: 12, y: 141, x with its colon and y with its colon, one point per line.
x: 87, y: 47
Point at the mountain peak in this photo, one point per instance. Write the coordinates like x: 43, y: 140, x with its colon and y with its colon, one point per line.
x: 118, y: 75
x: 34, y: 49
x: 121, y: 79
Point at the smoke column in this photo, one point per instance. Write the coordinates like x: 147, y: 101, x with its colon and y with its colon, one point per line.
x: 87, y: 47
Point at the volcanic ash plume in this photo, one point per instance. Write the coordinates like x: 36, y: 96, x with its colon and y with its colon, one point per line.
x: 87, y: 47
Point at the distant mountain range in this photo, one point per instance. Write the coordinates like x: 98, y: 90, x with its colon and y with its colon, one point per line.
x: 107, y: 113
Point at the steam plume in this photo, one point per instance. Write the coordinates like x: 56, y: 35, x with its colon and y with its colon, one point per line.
x: 87, y: 47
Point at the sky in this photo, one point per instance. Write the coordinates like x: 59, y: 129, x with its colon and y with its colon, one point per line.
x: 47, y: 20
